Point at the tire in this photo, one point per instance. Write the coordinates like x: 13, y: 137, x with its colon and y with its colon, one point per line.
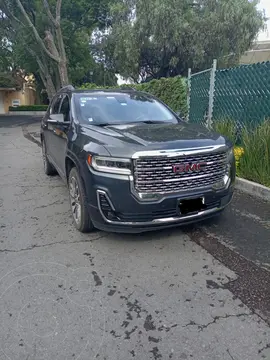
x: 48, y: 167
x: 78, y: 202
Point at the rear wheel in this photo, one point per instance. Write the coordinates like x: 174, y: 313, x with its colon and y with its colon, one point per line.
x: 48, y: 167
x: 78, y: 202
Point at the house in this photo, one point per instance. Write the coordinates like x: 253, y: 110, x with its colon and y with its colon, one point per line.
x: 260, y: 52
x: 14, y: 92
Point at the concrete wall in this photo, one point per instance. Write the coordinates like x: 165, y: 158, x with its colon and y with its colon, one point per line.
x: 26, y: 97
x: 260, y: 52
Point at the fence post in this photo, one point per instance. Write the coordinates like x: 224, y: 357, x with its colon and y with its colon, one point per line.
x: 189, y: 91
x: 211, y: 94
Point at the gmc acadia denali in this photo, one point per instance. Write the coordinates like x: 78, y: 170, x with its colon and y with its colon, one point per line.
x: 131, y: 164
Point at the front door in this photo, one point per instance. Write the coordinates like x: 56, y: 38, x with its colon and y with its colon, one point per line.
x: 60, y: 135
x: 49, y: 130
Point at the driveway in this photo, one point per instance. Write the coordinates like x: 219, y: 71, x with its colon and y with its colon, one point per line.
x: 200, y: 292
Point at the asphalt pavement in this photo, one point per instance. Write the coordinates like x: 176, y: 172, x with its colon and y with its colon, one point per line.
x: 199, y: 292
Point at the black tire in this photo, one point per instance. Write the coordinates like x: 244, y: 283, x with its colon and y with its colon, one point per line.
x: 48, y: 167
x: 78, y: 202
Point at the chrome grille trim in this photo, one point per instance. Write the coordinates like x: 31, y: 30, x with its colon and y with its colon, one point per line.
x: 154, y: 174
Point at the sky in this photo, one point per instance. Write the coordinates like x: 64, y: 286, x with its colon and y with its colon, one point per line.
x: 265, y: 4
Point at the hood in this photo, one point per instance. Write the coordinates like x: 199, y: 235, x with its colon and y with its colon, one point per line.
x: 126, y: 139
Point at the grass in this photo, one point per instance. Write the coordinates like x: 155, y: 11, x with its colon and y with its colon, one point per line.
x: 254, y: 164
x: 253, y: 154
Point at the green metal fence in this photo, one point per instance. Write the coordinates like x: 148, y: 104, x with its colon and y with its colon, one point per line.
x: 199, y: 96
x: 241, y: 94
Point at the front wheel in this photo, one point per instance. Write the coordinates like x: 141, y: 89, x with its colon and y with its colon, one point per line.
x: 78, y: 202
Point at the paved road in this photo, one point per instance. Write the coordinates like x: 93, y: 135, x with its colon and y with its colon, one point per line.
x: 201, y: 292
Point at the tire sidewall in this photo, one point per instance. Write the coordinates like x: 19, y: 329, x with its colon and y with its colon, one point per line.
x: 85, y: 223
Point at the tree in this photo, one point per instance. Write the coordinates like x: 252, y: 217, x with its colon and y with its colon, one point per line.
x: 48, y: 36
x: 163, y: 38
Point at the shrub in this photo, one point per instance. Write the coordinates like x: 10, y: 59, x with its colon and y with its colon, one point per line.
x: 28, y: 108
x: 172, y: 91
x: 254, y: 164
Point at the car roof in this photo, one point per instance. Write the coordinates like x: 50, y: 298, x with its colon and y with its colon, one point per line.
x: 71, y: 89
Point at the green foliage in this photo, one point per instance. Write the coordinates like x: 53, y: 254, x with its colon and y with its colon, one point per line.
x: 79, y: 18
x: 254, y: 164
x: 253, y: 156
x: 7, y: 81
x: 29, y: 108
x: 172, y: 91
x: 166, y: 37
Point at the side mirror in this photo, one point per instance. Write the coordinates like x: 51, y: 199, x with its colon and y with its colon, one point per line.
x: 56, y: 118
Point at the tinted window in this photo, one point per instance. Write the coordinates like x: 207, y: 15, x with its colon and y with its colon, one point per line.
x: 115, y: 108
x: 56, y: 104
x: 65, y: 108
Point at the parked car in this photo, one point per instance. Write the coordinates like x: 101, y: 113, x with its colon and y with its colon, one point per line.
x: 131, y: 164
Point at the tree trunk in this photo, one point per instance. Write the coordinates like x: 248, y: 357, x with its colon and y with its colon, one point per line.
x: 62, y: 67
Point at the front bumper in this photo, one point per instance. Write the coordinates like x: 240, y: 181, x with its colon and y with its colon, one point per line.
x: 113, y: 207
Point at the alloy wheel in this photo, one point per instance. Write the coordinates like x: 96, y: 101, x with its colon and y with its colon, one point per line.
x: 75, y: 200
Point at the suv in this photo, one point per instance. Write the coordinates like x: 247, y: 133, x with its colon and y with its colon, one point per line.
x: 131, y: 164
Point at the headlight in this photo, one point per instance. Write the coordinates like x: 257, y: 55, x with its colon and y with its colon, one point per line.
x: 111, y: 165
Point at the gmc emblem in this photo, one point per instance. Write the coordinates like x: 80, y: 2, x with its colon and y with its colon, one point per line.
x: 188, y: 167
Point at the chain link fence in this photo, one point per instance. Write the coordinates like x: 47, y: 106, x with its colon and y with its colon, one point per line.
x: 241, y: 94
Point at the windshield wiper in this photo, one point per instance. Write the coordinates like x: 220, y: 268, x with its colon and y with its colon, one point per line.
x: 107, y: 124
x: 134, y: 122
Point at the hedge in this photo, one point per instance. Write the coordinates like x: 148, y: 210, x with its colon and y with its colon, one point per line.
x: 172, y: 91
x: 29, y: 108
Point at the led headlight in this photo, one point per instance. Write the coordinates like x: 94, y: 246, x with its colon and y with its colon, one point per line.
x: 111, y: 165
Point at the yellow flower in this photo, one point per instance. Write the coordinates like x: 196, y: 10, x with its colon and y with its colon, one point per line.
x: 238, y: 152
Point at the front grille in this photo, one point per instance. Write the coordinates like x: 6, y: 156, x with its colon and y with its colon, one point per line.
x: 155, y: 174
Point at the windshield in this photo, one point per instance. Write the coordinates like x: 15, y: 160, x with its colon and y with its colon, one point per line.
x: 120, y: 108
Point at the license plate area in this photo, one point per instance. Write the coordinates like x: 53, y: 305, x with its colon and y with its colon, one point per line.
x: 191, y: 206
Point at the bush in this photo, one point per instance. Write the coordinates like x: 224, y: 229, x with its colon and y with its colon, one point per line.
x: 254, y: 164
x: 29, y: 108
x: 172, y: 91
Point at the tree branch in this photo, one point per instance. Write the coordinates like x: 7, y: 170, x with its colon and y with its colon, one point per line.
x: 50, y: 16
x: 58, y: 11
x: 38, y: 38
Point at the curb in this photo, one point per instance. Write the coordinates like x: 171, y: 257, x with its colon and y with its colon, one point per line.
x: 253, y: 188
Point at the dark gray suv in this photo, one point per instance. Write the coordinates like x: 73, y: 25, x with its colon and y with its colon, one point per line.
x: 131, y: 164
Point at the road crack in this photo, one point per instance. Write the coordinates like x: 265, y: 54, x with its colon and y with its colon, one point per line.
x: 201, y: 327
x: 36, y: 246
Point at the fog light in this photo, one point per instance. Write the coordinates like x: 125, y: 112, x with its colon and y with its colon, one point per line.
x: 224, y: 183
x: 219, y: 185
